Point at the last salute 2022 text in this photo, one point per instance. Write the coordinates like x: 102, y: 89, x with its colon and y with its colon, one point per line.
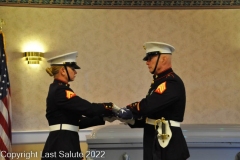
x: 62, y: 154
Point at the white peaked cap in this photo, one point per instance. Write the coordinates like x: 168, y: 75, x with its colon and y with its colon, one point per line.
x: 158, y: 46
x: 68, y: 59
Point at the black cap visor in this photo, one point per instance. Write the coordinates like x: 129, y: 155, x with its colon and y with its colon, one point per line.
x: 149, y: 55
x: 70, y: 64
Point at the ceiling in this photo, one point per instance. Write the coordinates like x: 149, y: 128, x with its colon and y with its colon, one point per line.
x: 126, y: 4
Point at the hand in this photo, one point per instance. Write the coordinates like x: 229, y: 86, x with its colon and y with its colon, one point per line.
x: 124, y: 113
x: 115, y: 108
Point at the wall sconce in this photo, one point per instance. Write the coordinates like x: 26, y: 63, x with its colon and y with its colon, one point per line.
x: 33, y: 57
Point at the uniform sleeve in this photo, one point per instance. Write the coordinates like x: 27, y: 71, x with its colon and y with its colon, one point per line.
x: 87, y: 122
x: 66, y: 99
x: 161, y: 97
x: 138, y: 123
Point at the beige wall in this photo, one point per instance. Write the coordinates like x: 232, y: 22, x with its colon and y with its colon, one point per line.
x: 110, y: 49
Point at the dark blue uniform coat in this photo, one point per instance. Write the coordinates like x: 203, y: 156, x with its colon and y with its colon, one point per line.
x: 166, y: 98
x: 65, y: 107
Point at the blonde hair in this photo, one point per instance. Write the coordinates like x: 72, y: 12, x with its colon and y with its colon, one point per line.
x: 53, y: 70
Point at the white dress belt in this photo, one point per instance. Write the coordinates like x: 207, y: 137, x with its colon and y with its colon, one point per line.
x: 153, y: 122
x: 68, y: 127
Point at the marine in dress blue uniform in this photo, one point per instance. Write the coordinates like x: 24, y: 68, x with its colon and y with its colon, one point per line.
x: 166, y: 99
x: 67, y: 112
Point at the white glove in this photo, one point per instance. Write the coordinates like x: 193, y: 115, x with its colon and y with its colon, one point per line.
x: 115, y: 108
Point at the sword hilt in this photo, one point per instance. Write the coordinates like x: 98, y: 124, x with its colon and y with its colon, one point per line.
x: 162, y: 120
